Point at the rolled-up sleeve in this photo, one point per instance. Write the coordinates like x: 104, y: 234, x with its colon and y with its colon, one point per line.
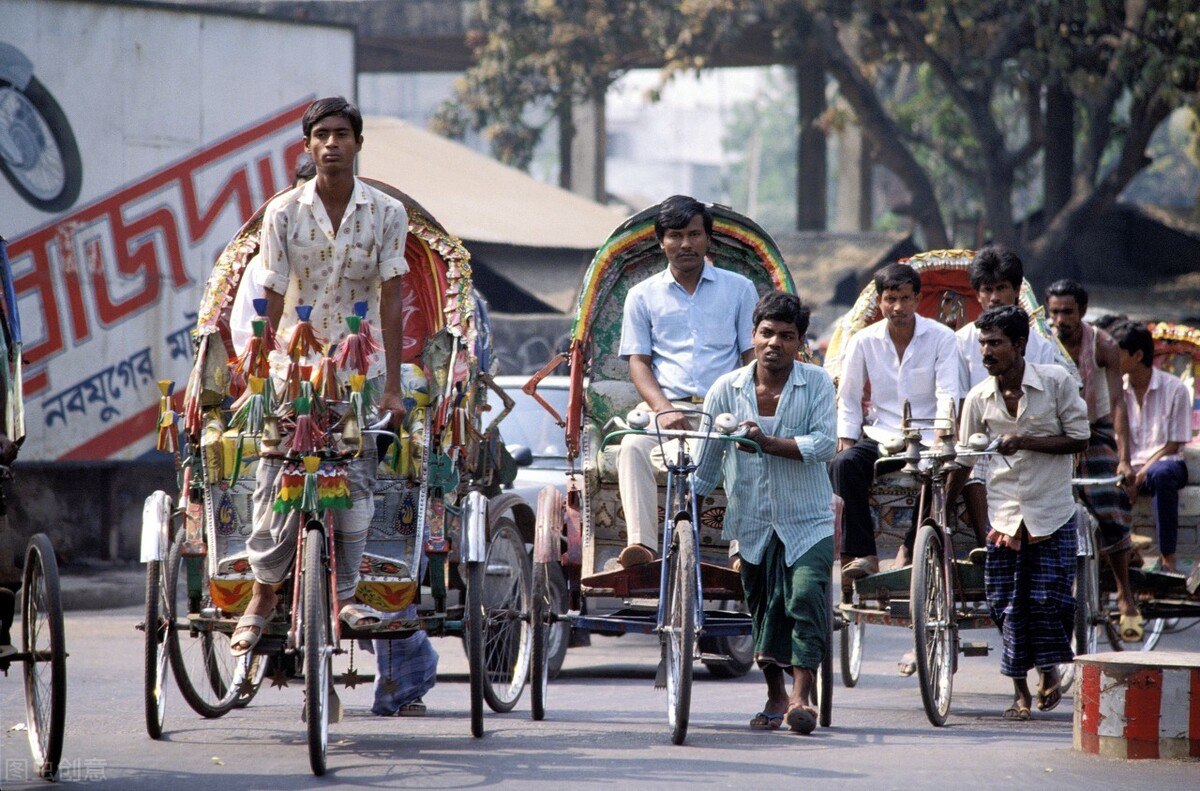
x: 635, y: 327
x: 1072, y: 410
x: 970, y: 422
x: 850, y: 392
x: 819, y: 445
x: 276, y: 269
x: 393, y: 238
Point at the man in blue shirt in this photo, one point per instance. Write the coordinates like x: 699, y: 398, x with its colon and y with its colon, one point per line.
x: 681, y: 329
x: 779, y: 506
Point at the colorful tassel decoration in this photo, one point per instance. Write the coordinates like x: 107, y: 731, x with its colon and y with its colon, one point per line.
x: 324, y: 380
x: 368, y: 331
x: 333, y: 488
x: 168, y: 437
x: 306, y: 437
x: 304, y: 340
x: 291, y: 487
x: 358, y: 400
x: 249, y: 417
x: 270, y: 343
x: 359, y: 349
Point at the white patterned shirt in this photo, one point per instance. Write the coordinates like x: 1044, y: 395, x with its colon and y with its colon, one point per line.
x: 303, y: 260
x: 1165, y: 415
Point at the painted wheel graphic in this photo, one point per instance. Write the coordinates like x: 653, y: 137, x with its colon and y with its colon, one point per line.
x: 38, y: 153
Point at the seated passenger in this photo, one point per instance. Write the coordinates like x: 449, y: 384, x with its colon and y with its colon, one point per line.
x: 1160, y: 424
x: 682, y: 328
x: 905, y: 357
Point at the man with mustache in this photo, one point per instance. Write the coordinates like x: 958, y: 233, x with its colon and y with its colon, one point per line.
x: 682, y: 328
x: 1041, y: 420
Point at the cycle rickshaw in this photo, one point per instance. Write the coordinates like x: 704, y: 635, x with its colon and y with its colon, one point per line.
x: 443, y: 537
x: 940, y: 593
x: 583, y: 528
x: 1163, y: 598
x: 41, y: 651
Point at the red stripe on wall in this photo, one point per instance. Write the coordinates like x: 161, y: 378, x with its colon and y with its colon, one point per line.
x: 1143, y: 703
x: 1089, y: 707
x: 117, y: 438
x: 1194, y: 714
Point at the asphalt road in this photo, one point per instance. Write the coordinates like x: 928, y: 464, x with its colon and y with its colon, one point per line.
x: 606, y: 727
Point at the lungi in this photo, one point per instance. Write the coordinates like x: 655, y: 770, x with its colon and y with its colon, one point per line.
x: 1109, y: 504
x: 789, y: 605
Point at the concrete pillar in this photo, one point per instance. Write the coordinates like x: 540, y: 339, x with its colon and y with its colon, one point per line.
x: 854, y: 182
x: 811, y: 171
x: 588, y: 150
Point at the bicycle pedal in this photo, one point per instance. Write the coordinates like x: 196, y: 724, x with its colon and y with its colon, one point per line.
x: 716, y: 659
x: 974, y: 648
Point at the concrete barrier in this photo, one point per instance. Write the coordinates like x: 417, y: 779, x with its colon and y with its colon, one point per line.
x: 1138, y: 705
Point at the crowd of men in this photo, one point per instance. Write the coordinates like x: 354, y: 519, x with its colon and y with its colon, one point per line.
x: 1085, y: 393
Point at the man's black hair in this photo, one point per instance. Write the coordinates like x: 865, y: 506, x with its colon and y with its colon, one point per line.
x: 1069, y: 288
x: 893, y: 277
x: 1012, y: 320
x: 331, y: 105
x: 780, y: 306
x: 677, y: 211
x: 996, y: 264
x: 1133, y: 338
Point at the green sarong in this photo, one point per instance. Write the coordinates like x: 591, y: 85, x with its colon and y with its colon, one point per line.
x: 789, y: 606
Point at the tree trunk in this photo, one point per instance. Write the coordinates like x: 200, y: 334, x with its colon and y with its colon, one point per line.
x: 566, y: 140
x: 1059, y: 165
x: 811, y: 170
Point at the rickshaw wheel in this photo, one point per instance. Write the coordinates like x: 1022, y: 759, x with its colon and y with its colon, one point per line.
x: 851, y: 644
x: 317, y: 649
x: 739, y: 649
x: 679, y: 638
x: 156, y: 626
x: 931, y: 624
x: 200, y: 659
x: 824, y: 677
x: 473, y: 631
x: 506, y: 602
x: 44, y: 643
x: 539, y: 617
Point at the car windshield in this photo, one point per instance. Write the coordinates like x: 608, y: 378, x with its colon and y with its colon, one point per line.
x: 531, y: 426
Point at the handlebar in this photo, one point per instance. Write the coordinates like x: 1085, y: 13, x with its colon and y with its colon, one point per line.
x: 684, y: 434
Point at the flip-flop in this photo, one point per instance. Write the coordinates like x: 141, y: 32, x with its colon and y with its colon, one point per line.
x: 1049, y: 699
x: 414, y: 709
x: 1132, y: 627
x: 360, y: 616
x: 766, y: 722
x: 244, y: 634
x: 1016, y: 712
x: 801, y: 719
x: 907, y: 665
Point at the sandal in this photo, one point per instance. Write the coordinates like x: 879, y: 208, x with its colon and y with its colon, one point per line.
x: 415, y: 709
x: 1048, y: 699
x: 801, y: 719
x: 766, y: 722
x: 907, y: 664
x: 1132, y: 627
x: 246, y: 634
x: 1016, y: 712
x: 360, y: 616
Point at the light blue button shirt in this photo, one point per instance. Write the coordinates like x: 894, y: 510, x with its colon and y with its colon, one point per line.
x: 691, y: 338
x: 770, y: 494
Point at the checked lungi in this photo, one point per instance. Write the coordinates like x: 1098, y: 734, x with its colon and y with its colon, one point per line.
x: 407, y: 669
x: 1029, y: 593
x: 1109, y: 504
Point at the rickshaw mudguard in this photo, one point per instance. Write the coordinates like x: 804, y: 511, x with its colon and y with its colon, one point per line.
x: 156, y: 526
x: 474, y: 528
x: 547, y: 537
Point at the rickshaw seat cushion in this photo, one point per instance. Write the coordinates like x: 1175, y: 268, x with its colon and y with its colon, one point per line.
x: 608, y: 398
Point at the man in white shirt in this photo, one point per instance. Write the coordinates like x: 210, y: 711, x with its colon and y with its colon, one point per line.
x: 681, y: 329
x: 905, y: 357
x: 996, y: 276
x: 330, y: 243
x: 1041, y: 420
x: 1160, y: 424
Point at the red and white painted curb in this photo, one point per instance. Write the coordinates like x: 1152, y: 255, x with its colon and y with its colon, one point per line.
x: 1138, y: 705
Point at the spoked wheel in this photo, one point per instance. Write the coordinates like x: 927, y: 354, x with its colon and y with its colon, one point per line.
x: 156, y: 626
x: 679, y: 628
x: 851, y: 644
x: 208, y: 676
x: 317, y: 649
x: 506, y: 605
x: 1086, y: 634
x: 932, y: 635
x: 558, y: 631
x: 473, y: 620
x: 540, y: 628
x: 43, y: 642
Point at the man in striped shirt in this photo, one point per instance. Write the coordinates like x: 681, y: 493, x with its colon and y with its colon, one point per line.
x: 779, y: 504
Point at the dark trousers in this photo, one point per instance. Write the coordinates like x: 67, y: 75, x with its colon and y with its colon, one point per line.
x: 851, y: 473
x: 1164, y: 479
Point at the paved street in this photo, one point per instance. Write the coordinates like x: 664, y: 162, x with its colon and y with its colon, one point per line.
x: 606, y: 727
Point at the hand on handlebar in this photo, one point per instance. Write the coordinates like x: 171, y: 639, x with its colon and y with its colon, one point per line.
x: 751, y: 431
x: 670, y: 421
x: 1010, y: 444
x: 392, y: 402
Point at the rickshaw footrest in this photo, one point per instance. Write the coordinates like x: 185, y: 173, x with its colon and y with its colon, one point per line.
x: 974, y: 648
